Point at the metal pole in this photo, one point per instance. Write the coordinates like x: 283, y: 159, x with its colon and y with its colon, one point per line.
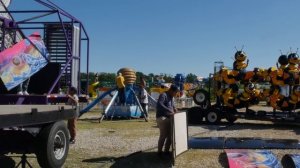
x: 67, y: 14
x: 87, y: 65
x: 62, y: 11
x: 45, y: 4
x: 79, y: 55
x: 37, y: 22
x: 36, y: 17
x: 139, y: 104
x: 109, y: 105
x: 28, y: 11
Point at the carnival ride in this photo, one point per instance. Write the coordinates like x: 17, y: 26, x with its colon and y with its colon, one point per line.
x: 132, y: 106
x: 29, y: 124
x: 55, y: 60
x: 236, y: 90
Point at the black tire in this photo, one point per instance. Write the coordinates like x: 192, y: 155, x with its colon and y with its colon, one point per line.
x: 231, y: 118
x: 52, y: 145
x: 261, y: 113
x: 213, y: 116
x: 7, y: 161
x: 201, y: 97
x: 250, y: 113
x: 195, y: 115
x: 230, y: 115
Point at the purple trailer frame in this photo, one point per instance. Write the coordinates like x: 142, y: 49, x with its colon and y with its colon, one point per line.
x: 54, y: 9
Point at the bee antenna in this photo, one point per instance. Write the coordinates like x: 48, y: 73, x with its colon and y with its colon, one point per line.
x: 280, y: 52
x: 242, y: 47
x: 235, y: 48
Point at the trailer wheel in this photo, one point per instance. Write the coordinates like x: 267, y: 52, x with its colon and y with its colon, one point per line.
x: 213, y: 116
x: 231, y: 118
x: 201, y: 97
x: 230, y: 115
x: 250, y: 113
x: 53, y: 145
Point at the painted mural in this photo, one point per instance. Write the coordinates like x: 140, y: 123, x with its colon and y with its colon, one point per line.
x: 240, y: 158
x: 22, y: 60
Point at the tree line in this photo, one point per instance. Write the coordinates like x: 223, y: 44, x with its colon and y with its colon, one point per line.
x: 106, y: 78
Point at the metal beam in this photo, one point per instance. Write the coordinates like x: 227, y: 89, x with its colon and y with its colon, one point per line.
x: 29, y: 11
x: 36, y: 17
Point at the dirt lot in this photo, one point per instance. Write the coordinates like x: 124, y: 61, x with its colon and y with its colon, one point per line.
x: 133, y: 143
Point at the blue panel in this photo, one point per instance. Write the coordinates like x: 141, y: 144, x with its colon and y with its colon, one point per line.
x: 124, y: 111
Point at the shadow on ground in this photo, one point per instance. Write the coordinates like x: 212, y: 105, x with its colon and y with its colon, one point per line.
x: 223, y: 160
x: 138, y: 159
x: 91, y: 120
x: 7, y: 162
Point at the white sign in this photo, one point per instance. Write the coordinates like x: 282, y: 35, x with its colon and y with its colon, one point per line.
x: 180, y: 134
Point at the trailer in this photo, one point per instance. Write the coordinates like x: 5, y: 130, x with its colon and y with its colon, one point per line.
x: 214, y: 114
x: 232, y: 94
x: 37, y: 129
x: 35, y: 123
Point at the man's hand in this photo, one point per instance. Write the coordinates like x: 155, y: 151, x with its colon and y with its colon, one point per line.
x: 171, y: 114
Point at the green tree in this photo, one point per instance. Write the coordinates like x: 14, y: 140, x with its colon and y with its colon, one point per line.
x: 168, y: 78
x: 106, y: 79
x: 138, y: 76
x: 191, y: 78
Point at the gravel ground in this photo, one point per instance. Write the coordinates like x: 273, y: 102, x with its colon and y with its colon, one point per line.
x: 133, y: 143
x: 243, y: 128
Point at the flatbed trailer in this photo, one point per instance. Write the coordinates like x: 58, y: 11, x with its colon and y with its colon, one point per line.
x: 37, y: 129
x: 214, y: 114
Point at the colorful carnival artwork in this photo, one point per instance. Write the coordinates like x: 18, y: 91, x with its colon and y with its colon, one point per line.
x: 22, y: 60
x: 241, y: 158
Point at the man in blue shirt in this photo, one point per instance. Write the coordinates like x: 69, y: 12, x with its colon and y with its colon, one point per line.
x: 165, y: 109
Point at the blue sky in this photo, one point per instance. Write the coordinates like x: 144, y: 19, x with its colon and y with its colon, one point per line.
x: 183, y: 36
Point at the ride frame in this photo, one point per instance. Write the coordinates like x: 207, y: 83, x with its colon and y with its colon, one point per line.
x: 63, y: 19
x: 40, y: 129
